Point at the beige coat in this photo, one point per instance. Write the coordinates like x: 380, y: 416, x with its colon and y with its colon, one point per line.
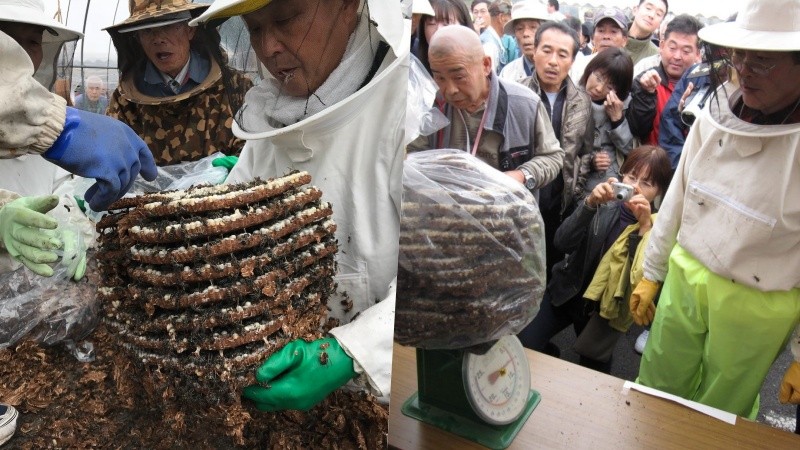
x: 32, y: 117
x: 734, y: 202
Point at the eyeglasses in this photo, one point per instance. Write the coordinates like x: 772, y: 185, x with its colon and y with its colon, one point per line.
x: 738, y: 62
x: 601, y: 80
x: 630, y: 179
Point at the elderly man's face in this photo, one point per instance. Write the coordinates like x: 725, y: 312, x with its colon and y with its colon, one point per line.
x: 301, y: 42
x: 553, y: 58
x: 768, y: 80
x: 608, y: 34
x: 462, y: 78
x: 525, y: 32
x: 167, y: 47
x: 93, y: 91
x: 29, y: 37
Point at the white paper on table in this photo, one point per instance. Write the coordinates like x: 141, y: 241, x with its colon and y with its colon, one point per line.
x: 705, y: 409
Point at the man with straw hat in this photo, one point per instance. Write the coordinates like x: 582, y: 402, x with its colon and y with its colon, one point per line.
x: 526, y: 16
x: 334, y: 106
x: 729, y: 227
x: 171, y: 89
x: 39, y: 122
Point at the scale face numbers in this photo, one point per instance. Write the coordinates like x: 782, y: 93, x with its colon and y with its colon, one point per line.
x: 498, y: 382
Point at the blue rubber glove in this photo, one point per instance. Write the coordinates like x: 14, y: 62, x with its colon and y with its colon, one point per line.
x: 300, y: 375
x: 27, y: 233
x: 96, y: 146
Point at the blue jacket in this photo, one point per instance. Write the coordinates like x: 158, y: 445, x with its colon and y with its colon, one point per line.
x: 673, y: 131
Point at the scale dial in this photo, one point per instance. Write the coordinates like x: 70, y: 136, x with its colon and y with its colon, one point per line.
x: 498, y: 382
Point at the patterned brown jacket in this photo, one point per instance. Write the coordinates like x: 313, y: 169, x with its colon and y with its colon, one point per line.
x: 184, y: 127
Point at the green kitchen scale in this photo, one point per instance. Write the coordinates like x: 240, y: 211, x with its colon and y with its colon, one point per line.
x: 482, y: 393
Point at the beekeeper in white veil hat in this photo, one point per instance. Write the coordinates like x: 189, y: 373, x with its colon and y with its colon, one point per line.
x: 335, y: 107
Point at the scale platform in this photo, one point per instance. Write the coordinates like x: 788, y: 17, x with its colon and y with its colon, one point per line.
x: 492, y: 436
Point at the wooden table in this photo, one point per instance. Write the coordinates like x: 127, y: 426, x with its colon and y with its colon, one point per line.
x: 582, y: 409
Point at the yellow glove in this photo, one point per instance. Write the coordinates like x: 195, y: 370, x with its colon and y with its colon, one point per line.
x: 642, y: 307
x: 790, y: 385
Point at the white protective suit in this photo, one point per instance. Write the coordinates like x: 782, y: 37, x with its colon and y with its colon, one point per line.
x: 354, y: 151
x: 32, y: 116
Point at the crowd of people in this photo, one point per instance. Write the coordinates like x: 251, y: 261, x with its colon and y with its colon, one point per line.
x: 720, y: 309
x: 587, y: 115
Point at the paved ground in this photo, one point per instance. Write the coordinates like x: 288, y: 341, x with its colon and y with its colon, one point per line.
x: 626, y: 365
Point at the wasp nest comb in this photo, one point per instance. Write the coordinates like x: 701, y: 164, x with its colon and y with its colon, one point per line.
x: 207, y: 282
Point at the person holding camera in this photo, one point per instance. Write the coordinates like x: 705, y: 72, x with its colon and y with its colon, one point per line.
x: 655, y: 77
x: 690, y: 96
x: 725, y: 247
x: 589, y: 288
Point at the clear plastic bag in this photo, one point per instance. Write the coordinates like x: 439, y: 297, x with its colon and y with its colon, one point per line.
x: 49, y: 310
x: 471, y: 266
x: 173, y: 177
x: 422, y: 118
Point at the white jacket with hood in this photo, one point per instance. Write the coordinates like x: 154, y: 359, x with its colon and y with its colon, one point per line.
x: 32, y: 116
x: 734, y: 203
x: 354, y: 151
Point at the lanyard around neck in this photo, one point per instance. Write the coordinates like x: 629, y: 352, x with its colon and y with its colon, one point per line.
x: 480, y: 127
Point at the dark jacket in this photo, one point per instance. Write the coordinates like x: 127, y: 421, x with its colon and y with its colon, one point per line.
x: 583, y: 237
x: 672, y: 134
x: 642, y: 110
x: 576, y: 134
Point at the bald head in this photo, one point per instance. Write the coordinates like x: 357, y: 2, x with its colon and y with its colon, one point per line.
x: 460, y: 67
x: 454, y: 39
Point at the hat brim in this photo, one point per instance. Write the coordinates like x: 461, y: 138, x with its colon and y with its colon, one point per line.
x: 622, y: 26
x: 127, y: 24
x: 26, y: 15
x: 731, y: 34
x: 508, y: 28
x: 156, y: 24
x: 223, y: 9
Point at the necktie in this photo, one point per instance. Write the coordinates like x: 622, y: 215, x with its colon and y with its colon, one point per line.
x: 175, y: 86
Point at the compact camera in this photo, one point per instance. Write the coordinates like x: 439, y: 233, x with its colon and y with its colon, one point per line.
x: 622, y: 191
x: 693, y: 105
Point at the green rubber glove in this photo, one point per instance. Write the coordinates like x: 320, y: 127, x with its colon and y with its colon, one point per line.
x: 300, y: 375
x: 74, y: 254
x: 225, y: 161
x: 23, y: 229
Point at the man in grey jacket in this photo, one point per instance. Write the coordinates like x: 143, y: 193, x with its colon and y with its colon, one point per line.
x: 570, y: 112
x: 498, y: 121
